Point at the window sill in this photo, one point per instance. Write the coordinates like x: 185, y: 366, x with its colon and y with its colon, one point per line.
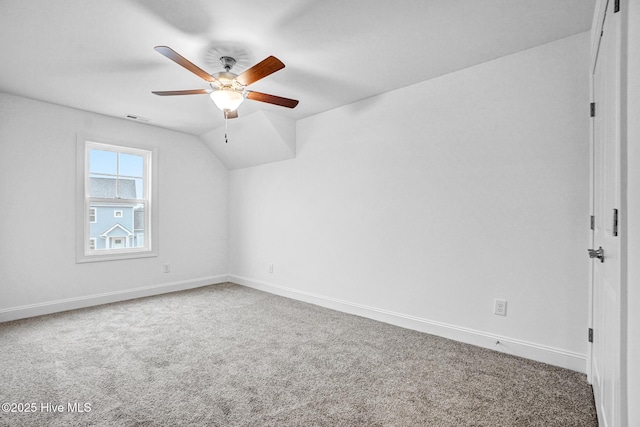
x: 114, y: 256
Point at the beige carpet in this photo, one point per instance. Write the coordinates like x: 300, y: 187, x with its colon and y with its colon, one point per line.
x: 226, y: 355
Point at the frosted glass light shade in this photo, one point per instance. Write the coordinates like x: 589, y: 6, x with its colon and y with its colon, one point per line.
x: 227, y: 99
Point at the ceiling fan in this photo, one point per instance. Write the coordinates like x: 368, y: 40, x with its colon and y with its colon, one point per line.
x: 228, y: 90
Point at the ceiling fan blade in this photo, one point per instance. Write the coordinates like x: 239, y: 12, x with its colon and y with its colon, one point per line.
x: 181, y: 60
x: 231, y: 114
x: 262, y: 69
x: 182, y: 92
x: 272, y: 99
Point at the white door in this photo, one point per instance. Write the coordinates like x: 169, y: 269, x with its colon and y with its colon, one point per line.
x: 117, y: 242
x: 606, y: 362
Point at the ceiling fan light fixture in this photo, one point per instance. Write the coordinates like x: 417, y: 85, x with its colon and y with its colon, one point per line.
x: 227, y: 99
x: 228, y: 90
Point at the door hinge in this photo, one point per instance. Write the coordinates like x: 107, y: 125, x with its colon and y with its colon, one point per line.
x: 615, y: 222
x: 616, y: 6
x: 593, y: 109
x: 590, y: 334
x: 592, y: 224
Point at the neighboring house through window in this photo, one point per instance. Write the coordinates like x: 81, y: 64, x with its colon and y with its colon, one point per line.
x: 117, y: 204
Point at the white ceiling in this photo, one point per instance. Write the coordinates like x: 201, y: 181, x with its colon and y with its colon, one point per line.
x: 97, y: 55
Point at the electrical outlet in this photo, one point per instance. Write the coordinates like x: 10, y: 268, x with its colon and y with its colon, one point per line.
x: 270, y: 268
x: 500, y: 307
x: 166, y: 268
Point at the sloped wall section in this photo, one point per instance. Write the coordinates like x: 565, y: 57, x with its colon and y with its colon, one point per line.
x: 256, y: 139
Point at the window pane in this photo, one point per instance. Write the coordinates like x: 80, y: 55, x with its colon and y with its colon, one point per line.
x: 103, y: 162
x: 131, y: 165
x: 117, y: 222
x: 116, y: 175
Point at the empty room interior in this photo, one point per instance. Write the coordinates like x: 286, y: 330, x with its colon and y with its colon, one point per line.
x: 409, y: 213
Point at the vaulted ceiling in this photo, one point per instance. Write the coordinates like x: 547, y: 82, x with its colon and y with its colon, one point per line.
x: 98, y: 55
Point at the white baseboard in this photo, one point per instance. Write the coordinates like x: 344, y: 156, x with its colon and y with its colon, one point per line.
x: 541, y: 353
x: 32, y: 310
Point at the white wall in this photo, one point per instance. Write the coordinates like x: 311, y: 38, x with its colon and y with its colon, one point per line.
x: 632, y: 13
x: 38, y: 272
x: 422, y: 205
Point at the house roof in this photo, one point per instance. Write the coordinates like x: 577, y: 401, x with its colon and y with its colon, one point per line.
x: 106, y: 187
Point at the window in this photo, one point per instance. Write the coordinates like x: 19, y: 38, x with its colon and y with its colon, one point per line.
x: 116, y: 202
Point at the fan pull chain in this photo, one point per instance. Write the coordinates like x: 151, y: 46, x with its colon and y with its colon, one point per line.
x: 226, y: 120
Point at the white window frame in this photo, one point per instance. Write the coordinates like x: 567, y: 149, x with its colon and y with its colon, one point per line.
x: 95, y: 216
x: 117, y: 214
x: 150, y: 155
x: 92, y: 242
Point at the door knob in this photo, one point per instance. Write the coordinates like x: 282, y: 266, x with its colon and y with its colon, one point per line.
x: 596, y: 253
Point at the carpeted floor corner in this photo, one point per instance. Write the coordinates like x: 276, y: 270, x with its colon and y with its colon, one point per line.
x: 226, y: 355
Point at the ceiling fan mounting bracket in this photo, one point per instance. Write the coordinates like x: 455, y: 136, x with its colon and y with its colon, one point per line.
x: 227, y: 62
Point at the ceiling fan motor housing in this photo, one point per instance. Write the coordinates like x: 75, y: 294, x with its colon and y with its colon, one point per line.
x: 225, y: 80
